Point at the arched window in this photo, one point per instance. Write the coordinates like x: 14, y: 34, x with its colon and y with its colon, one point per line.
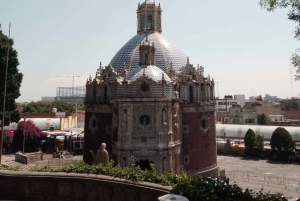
x: 149, y: 24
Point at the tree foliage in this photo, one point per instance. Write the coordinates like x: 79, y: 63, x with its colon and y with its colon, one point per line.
x: 254, y: 143
x: 8, y: 137
x: 249, y: 141
x: 14, y: 77
x: 282, y: 140
x: 294, y: 15
x: 40, y: 107
x: 262, y: 119
x: 32, y: 132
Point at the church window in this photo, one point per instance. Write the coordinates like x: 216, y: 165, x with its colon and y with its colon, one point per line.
x: 203, y: 123
x: 144, y: 87
x: 144, y: 120
x: 149, y: 22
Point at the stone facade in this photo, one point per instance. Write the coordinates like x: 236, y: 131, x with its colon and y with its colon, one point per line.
x: 140, y: 113
x: 27, y: 186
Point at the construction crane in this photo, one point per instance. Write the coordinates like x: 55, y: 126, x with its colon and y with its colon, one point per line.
x: 73, y: 76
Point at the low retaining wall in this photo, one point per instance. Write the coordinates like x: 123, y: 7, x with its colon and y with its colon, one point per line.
x: 28, y: 158
x: 39, y: 186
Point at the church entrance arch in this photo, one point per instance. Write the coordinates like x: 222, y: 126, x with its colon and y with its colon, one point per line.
x: 144, y: 164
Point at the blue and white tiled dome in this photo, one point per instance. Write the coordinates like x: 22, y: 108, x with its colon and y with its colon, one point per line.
x: 166, y: 53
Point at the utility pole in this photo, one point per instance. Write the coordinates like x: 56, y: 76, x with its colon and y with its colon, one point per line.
x: 73, y: 76
x: 76, y: 115
x: 4, y: 96
x: 218, y: 89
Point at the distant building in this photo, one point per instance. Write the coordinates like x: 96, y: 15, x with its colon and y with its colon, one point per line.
x: 47, y: 99
x: 240, y: 115
x: 240, y: 98
x: 67, y: 94
x: 223, y: 106
x: 269, y: 98
x: 252, y: 98
x: 249, y: 113
x: 268, y: 108
x: 291, y: 108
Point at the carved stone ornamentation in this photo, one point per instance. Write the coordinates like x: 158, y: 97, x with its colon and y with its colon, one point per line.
x: 93, y: 124
x: 204, y: 124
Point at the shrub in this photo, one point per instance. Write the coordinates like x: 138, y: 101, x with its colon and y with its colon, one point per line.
x: 249, y: 140
x: 195, y: 188
x: 282, y: 140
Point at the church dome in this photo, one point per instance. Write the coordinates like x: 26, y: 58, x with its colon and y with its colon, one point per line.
x: 166, y: 53
x: 151, y: 71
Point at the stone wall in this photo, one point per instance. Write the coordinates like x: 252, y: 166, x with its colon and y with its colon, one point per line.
x: 28, y: 158
x: 37, y: 186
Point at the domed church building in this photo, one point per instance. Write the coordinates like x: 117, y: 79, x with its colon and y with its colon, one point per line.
x: 151, y: 105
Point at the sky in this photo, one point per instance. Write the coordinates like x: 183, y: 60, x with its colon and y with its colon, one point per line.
x: 242, y: 46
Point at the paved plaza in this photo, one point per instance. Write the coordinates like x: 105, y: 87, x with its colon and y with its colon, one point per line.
x: 261, y: 168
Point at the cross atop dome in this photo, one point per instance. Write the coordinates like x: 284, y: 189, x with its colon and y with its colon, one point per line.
x: 149, y: 17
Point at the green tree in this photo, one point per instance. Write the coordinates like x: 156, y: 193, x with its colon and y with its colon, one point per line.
x: 36, y: 107
x: 63, y: 106
x: 259, y: 145
x: 262, y: 119
x: 249, y: 141
x: 294, y: 15
x: 282, y: 140
x: 40, y: 107
x: 14, y: 77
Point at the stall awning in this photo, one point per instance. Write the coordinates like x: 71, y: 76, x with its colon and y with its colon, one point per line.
x: 60, y: 138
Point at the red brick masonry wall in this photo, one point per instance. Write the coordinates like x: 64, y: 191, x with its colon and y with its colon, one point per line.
x: 199, y: 148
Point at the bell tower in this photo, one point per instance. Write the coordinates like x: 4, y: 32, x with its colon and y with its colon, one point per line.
x: 148, y: 17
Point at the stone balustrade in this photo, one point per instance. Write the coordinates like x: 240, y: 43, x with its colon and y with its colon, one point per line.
x: 28, y: 158
x: 75, y: 187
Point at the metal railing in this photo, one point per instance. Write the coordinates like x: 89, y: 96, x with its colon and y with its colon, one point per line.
x: 265, y: 178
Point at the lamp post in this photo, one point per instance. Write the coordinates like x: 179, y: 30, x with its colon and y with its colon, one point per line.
x: 24, y: 135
